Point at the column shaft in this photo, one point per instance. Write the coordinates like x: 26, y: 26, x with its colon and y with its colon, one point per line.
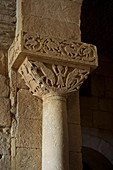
x: 55, y: 134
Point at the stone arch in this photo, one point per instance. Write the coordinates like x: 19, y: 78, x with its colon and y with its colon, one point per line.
x: 94, y: 160
x: 98, y: 141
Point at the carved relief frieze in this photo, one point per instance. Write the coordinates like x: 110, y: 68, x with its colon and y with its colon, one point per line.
x: 43, y: 78
x: 51, y: 65
x: 26, y: 44
x: 68, y: 49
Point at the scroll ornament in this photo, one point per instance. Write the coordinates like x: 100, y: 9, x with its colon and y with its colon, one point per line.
x: 63, y: 48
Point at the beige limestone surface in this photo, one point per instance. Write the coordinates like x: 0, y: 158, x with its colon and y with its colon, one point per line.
x: 28, y: 159
x: 4, y: 86
x: 5, y: 119
x: 29, y: 106
x: 5, y: 148
x: 29, y: 133
x: 55, y: 137
x: 56, y: 18
x: 3, y: 62
x: 7, y: 23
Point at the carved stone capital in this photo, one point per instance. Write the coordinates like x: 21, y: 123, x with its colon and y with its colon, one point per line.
x: 50, y: 65
x: 43, y: 78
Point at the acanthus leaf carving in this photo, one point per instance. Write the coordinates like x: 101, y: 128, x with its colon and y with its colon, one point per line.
x: 43, y: 78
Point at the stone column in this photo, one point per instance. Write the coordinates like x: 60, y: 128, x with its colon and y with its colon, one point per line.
x: 48, y: 54
x: 55, y: 133
x: 52, y: 68
x: 51, y: 82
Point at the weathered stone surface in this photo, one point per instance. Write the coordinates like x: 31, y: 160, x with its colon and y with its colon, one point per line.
x: 20, y: 82
x: 4, y: 141
x: 74, y: 137
x: 29, y: 106
x: 4, y: 88
x: 75, y: 161
x: 5, y: 118
x: 67, y: 11
x: 4, y: 149
x: 73, y: 108
x: 50, y: 27
x: 29, y: 133
x: 5, y: 162
x: 13, y: 89
x: 50, y: 17
x: 52, y: 78
x: 28, y: 159
x: 7, y: 23
x: 40, y: 47
x: 55, y: 133
x: 3, y: 62
x: 13, y: 153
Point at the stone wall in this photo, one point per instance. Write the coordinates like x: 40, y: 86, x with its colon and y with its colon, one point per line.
x: 96, y: 94
x: 96, y: 100
x: 5, y: 119
x: 26, y: 130
x: 74, y: 130
x: 7, y: 23
x: 97, y: 108
x: 58, y: 19
x: 7, y: 32
x: 23, y: 112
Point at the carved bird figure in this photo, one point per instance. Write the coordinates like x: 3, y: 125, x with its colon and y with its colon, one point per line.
x: 72, y: 78
x: 48, y: 74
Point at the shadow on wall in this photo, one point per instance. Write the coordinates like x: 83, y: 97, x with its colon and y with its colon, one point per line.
x: 93, y: 160
x: 96, y: 24
x: 97, y: 149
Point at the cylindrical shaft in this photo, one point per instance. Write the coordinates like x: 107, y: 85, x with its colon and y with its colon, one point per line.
x: 55, y: 134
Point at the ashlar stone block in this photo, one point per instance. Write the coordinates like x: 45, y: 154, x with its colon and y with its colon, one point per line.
x: 5, y: 162
x: 4, y: 149
x: 4, y: 88
x: 4, y: 141
x: 5, y: 118
x: 20, y: 82
x: 28, y: 106
x: 3, y: 62
x: 28, y: 159
x: 67, y: 11
x: 29, y: 133
x: 50, y: 27
x: 50, y: 16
